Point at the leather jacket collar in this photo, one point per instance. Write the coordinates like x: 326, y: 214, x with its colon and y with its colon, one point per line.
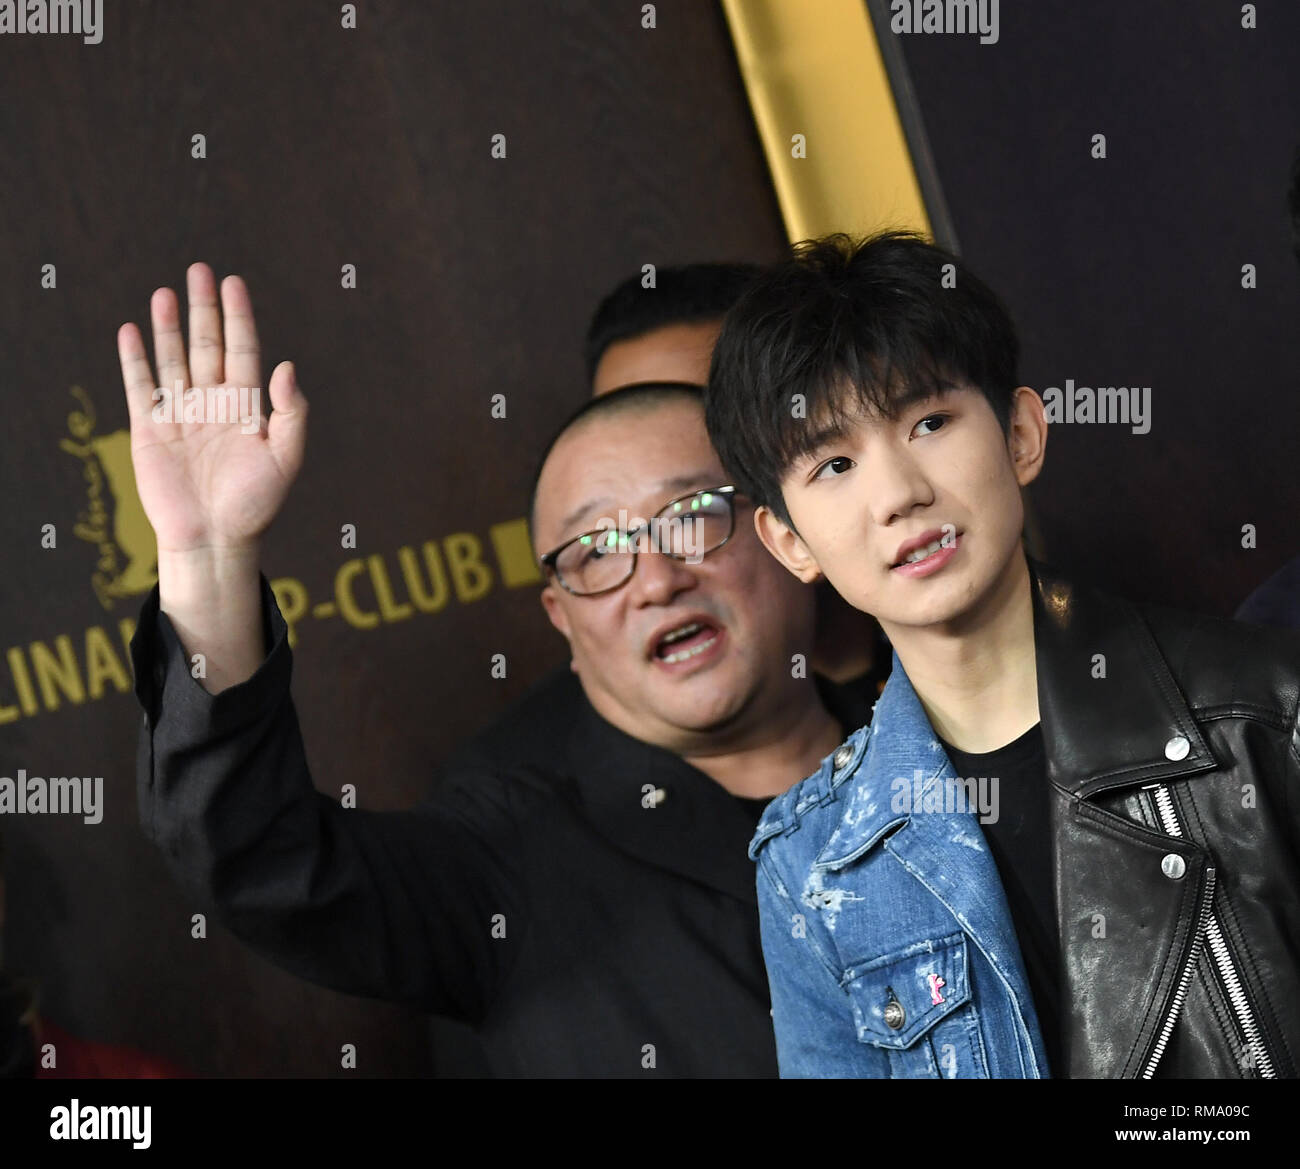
x: 1111, y: 712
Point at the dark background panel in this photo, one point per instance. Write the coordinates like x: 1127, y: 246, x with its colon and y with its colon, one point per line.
x: 475, y: 276
x: 1127, y: 271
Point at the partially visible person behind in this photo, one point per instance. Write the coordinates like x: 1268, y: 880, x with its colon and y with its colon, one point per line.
x: 32, y: 1046
x: 17, y: 1008
x: 1277, y: 601
x: 666, y: 333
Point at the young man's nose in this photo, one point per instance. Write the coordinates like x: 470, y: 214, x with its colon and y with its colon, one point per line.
x: 894, y: 484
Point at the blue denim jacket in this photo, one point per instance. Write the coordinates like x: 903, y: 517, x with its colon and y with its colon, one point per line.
x: 889, y: 946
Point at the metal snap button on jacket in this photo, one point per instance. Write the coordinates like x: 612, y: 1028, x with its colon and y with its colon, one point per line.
x: 1177, y: 748
x: 842, y: 756
x: 1173, y: 866
x: 895, y: 1016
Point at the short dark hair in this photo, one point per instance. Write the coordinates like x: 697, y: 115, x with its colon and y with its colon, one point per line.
x: 686, y: 295
x: 849, y: 324
x: 641, y: 396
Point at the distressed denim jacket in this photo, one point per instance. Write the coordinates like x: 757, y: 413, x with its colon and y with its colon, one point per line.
x: 889, y: 946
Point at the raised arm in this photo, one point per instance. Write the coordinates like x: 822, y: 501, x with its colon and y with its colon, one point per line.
x: 211, y: 470
x: 394, y: 905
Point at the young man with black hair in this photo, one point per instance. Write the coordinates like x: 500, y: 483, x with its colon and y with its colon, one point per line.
x: 1067, y: 843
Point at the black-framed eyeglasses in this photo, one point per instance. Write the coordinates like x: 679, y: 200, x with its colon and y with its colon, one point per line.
x: 686, y: 528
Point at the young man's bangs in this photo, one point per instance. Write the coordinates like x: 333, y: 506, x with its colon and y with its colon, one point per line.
x: 860, y: 390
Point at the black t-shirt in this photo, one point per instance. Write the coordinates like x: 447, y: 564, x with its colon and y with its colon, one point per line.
x: 538, y: 823
x: 753, y: 808
x: 1021, y: 842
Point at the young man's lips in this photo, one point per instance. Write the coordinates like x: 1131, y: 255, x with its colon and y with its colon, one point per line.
x: 907, y: 547
x: 932, y: 563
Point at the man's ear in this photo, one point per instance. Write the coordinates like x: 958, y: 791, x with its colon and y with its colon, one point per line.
x: 558, y: 617
x: 555, y: 609
x: 1027, y: 435
x: 784, y: 543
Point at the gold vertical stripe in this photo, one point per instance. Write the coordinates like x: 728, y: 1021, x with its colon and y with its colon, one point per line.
x: 813, y: 67
x: 514, y: 552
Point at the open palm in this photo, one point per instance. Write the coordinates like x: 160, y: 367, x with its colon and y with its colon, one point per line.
x: 209, y: 484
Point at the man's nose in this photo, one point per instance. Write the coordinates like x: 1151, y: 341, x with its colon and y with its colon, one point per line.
x: 894, y: 484
x: 659, y: 577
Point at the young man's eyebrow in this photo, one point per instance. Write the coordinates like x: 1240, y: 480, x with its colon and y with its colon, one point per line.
x: 923, y: 393
x: 813, y: 442
x: 832, y: 432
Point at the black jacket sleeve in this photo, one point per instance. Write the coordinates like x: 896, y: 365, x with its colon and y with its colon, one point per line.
x: 392, y: 905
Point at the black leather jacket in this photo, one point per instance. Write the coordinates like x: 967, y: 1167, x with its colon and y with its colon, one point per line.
x: 1174, y: 757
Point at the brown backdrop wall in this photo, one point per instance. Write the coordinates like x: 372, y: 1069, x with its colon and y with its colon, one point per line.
x: 474, y: 276
x: 1128, y: 270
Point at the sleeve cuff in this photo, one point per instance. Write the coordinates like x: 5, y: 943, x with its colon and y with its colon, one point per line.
x: 164, y: 684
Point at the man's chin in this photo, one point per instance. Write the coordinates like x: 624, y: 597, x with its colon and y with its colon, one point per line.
x: 711, y: 703
x: 697, y: 722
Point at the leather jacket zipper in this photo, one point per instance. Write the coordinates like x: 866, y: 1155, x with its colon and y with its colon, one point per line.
x: 1209, y: 934
x: 1184, y: 980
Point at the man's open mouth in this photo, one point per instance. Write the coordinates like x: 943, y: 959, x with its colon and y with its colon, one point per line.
x: 686, y: 641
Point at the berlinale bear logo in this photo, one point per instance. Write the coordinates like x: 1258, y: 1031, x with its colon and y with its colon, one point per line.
x: 113, y: 520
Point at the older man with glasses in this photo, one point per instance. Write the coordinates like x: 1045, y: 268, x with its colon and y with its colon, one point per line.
x: 577, y: 888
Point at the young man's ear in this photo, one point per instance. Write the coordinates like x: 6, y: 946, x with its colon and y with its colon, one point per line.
x: 1027, y: 435
x: 785, y: 544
